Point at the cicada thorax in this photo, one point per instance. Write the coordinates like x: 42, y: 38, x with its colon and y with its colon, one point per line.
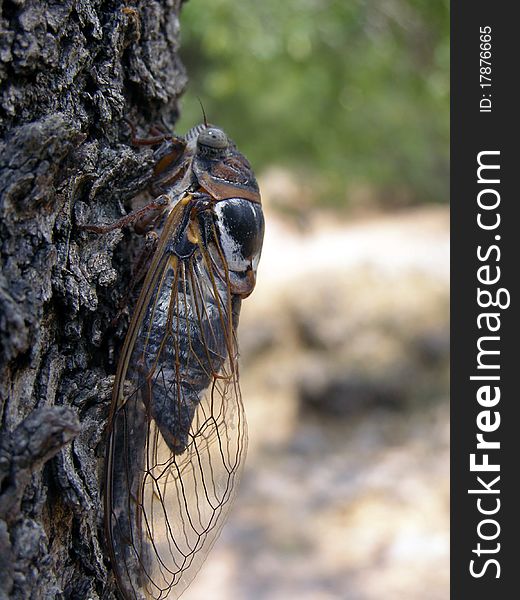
x: 208, y: 159
x: 225, y: 174
x: 177, y: 431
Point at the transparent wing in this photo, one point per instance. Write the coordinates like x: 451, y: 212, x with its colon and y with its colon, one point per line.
x: 178, y: 432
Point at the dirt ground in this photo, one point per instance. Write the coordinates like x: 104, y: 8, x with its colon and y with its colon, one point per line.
x: 344, y: 374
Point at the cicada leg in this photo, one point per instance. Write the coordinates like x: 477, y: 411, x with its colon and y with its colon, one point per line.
x: 142, y: 219
x: 157, y: 136
x: 139, y: 217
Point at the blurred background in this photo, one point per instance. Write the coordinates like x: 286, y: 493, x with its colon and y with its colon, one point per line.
x: 342, y: 107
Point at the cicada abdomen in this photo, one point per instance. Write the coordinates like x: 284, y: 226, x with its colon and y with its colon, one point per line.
x: 177, y: 432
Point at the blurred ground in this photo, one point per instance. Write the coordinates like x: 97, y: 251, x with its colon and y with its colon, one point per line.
x: 344, y: 366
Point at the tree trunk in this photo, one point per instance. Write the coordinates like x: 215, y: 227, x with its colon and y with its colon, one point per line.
x: 70, y: 71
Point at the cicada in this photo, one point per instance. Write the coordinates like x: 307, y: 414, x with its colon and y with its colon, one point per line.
x: 177, y: 432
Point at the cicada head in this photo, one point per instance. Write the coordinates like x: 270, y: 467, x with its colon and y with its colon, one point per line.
x: 212, y: 140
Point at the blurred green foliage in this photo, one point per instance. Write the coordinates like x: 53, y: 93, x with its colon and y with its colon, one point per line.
x: 346, y: 92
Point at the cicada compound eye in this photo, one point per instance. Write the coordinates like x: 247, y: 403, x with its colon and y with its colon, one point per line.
x: 213, y: 138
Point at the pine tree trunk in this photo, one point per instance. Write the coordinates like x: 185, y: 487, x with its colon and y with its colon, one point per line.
x: 70, y: 71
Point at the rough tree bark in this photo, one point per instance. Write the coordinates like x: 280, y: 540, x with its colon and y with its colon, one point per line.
x: 70, y: 71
